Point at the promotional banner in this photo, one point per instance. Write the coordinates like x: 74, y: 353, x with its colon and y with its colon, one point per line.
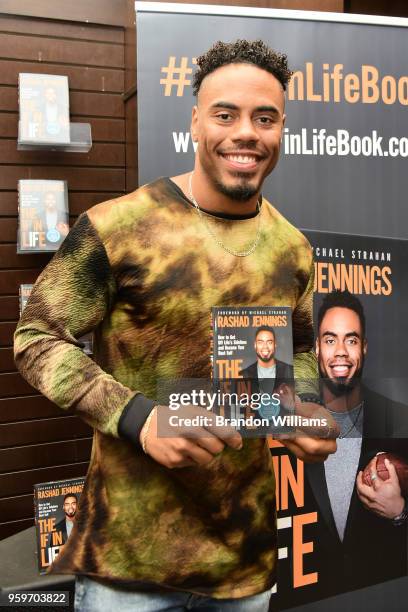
x: 342, y: 178
x: 346, y: 133
x: 320, y: 539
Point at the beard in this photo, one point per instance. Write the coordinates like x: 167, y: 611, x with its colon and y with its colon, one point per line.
x: 263, y: 358
x: 341, y: 386
x: 240, y: 193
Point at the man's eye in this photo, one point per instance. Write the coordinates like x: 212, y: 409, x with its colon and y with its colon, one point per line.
x: 329, y: 340
x: 352, y: 341
x: 224, y: 116
x: 265, y: 120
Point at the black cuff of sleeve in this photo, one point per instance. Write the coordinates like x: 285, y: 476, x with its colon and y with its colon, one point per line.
x: 134, y: 416
x: 310, y: 397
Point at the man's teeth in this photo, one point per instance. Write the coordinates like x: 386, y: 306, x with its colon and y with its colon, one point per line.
x: 242, y: 159
x: 340, y: 369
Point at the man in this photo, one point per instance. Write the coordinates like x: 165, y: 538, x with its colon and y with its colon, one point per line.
x: 267, y: 370
x: 70, y: 507
x: 52, y: 119
x: 181, y: 521
x: 360, y: 536
x: 268, y: 375
x: 55, y: 220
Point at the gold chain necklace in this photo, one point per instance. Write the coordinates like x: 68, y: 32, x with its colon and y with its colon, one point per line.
x: 212, y: 233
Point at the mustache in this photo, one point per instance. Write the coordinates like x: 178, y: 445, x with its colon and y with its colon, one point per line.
x: 341, y: 385
x: 249, y: 146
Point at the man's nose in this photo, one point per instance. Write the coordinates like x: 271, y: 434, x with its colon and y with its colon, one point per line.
x: 341, y: 348
x: 245, y: 130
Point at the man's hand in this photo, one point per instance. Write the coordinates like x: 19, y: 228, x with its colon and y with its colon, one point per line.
x: 312, y: 443
x: 308, y: 449
x: 193, y: 445
x: 384, y: 496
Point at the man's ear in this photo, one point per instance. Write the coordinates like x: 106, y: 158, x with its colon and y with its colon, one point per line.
x: 365, y: 347
x: 194, y: 124
x: 317, y: 348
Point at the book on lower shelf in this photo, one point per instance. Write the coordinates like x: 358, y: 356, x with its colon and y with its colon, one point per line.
x: 55, y: 508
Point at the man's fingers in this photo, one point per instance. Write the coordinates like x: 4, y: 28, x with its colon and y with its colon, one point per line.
x: 366, y: 501
x: 199, y: 455
x: 361, y: 487
x: 197, y: 423
x: 392, y: 472
x: 227, y: 434
x: 315, y: 446
x: 171, y: 458
x: 176, y: 453
x: 187, y: 439
x: 363, y: 490
x: 375, y: 480
x: 210, y: 443
x: 287, y: 396
x: 310, y: 450
x: 188, y: 452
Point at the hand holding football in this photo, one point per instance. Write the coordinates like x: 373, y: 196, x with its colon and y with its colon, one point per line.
x: 400, y: 465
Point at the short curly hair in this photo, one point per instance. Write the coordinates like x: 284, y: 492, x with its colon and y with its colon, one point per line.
x: 242, y: 51
x: 342, y: 299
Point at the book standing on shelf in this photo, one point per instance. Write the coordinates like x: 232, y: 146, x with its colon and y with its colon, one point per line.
x: 55, y: 506
x: 24, y: 294
x: 44, y: 109
x: 43, y: 219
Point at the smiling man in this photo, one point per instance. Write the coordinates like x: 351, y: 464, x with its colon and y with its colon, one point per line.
x: 175, y: 523
x: 267, y: 373
x: 341, y: 347
x: 239, y: 132
x: 65, y: 525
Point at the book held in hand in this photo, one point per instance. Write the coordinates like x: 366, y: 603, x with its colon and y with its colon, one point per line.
x: 252, y: 358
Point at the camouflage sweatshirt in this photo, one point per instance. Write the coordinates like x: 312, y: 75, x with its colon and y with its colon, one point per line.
x: 143, y: 271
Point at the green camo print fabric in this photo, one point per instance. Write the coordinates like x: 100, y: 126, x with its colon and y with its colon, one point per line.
x: 144, y: 272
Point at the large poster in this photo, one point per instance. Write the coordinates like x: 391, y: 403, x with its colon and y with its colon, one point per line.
x: 314, y: 549
x: 342, y: 176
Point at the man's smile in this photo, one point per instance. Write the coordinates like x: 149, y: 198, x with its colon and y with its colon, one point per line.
x: 242, y: 160
x: 340, y: 370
